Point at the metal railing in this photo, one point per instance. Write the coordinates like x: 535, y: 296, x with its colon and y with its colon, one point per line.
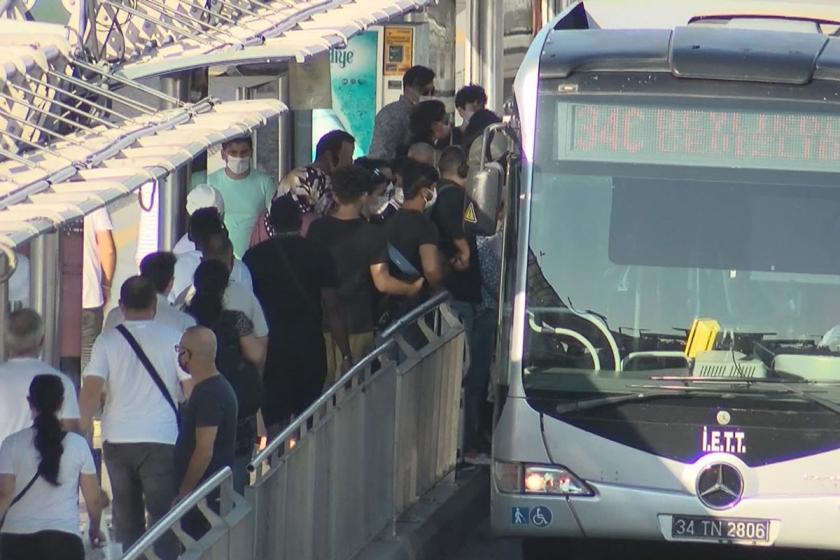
x: 352, y: 463
x: 230, y: 528
x: 361, y: 455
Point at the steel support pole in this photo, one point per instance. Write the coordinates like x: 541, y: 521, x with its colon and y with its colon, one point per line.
x: 473, y: 54
x: 172, y: 191
x: 492, y: 53
x: 285, y: 140
x: 4, y: 300
x: 302, y: 128
x: 45, y: 291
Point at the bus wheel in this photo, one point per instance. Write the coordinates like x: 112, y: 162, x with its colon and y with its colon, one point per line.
x: 548, y: 549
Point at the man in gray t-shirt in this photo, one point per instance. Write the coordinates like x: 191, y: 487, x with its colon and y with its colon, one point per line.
x: 207, y: 438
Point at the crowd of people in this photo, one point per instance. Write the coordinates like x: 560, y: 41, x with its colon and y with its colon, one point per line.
x: 272, y: 294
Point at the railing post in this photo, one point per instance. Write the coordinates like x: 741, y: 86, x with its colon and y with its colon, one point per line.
x: 44, y: 285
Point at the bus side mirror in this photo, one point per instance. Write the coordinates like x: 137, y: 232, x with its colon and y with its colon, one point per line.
x: 484, y: 198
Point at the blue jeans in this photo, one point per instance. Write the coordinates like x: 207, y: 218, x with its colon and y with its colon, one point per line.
x: 480, y: 330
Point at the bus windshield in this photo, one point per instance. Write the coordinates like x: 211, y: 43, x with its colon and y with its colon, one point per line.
x: 652, y: 213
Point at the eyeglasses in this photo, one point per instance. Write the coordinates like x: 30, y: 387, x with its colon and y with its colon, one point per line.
x: 181, y: 349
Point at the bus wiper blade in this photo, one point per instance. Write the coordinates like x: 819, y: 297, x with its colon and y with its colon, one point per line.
x: 608, y: 401
x: 819, y: 401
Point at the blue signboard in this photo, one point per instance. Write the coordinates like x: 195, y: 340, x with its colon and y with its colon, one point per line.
x: 354, y: 76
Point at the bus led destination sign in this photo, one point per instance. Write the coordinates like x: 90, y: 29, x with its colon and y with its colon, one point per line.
x: 703, y: 137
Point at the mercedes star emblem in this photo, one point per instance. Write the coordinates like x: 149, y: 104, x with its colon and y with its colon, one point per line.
x: 720, y: 486
x: 723, y: 417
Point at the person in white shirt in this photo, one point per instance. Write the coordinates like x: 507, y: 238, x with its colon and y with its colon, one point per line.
x: 204, y: 223
x: 41, y: 470
x: 98, y: 266
x: 159, y: 268
x: 140, y: 419
x: 23, y: 338
x: 202, y: 196
x: 239, y: 296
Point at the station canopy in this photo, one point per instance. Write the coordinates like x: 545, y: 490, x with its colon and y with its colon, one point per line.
x: 78, y: 127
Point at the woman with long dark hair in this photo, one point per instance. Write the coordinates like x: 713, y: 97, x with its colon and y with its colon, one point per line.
x: 41, y: 470
x: 238, y: 355
x: 430, y: 124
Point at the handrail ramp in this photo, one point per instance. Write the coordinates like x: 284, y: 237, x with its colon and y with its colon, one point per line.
x: 352, y: 463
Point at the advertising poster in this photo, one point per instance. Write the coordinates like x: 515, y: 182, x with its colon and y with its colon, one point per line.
x: 353, y: 76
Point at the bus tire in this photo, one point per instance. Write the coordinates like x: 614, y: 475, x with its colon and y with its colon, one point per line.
x: 547, y: 549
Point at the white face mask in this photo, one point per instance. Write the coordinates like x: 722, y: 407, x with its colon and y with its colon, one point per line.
x: 427, y: 98
x: 399, y: 196
x: 431, y: 201
x: 238, y: 165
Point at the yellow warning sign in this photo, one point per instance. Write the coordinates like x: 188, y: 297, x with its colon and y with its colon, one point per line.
x: 469, y: 214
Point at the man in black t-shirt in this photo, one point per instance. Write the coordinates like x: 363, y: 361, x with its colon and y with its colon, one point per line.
x: 207, y: 436
x: 296, y: 283
x: 464, y: 278
x: 359, y: 250
x: 458, y: 248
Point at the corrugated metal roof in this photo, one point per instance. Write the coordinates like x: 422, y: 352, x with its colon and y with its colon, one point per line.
x: 72, y: 141
x: 61, y: 159
x: 265, y: 32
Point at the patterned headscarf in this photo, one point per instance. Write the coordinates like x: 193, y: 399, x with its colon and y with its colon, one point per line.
x: 311, y: 189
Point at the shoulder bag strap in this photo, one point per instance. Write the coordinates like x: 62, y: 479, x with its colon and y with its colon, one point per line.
x: 141, y: 355
x: 21, y: 494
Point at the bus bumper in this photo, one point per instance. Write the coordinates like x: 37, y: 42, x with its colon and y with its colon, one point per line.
x: 618, y: 512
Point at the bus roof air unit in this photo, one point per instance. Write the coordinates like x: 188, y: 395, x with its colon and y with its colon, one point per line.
x: 745, y: 54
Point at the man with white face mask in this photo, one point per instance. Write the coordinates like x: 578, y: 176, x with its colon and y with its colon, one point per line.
x: 245, y: 191
x: 391, y: 129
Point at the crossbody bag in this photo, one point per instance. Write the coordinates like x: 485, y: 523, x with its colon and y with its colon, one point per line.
x: 147, y: 364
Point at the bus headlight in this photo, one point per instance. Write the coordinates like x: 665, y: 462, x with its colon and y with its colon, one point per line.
x: 554, y: 480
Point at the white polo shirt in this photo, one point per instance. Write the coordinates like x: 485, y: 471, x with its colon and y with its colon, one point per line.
x: 164, y: 313
x: 135, y: 410
x: 15, y: 377
x: 186, y: 266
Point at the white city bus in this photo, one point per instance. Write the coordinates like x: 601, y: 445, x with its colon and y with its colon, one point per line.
x: 672, y: 278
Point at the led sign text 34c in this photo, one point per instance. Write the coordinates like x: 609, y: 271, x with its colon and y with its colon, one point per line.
x: 641, y: 133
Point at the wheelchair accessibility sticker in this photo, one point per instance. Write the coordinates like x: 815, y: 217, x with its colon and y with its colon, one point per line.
x: 539, y: 516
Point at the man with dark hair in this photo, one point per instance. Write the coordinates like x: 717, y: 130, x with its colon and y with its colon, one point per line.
x: 136, y: 366
x: 334, y: 151
x: 391, y: 129
x: 469, y: 100
x: 471, y: 104
x: 159, y: 268
x: 360, y: 252
x: 295, y: 281
x: 204, y: 224
x: 246, y: 191
x: 464, y: 278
